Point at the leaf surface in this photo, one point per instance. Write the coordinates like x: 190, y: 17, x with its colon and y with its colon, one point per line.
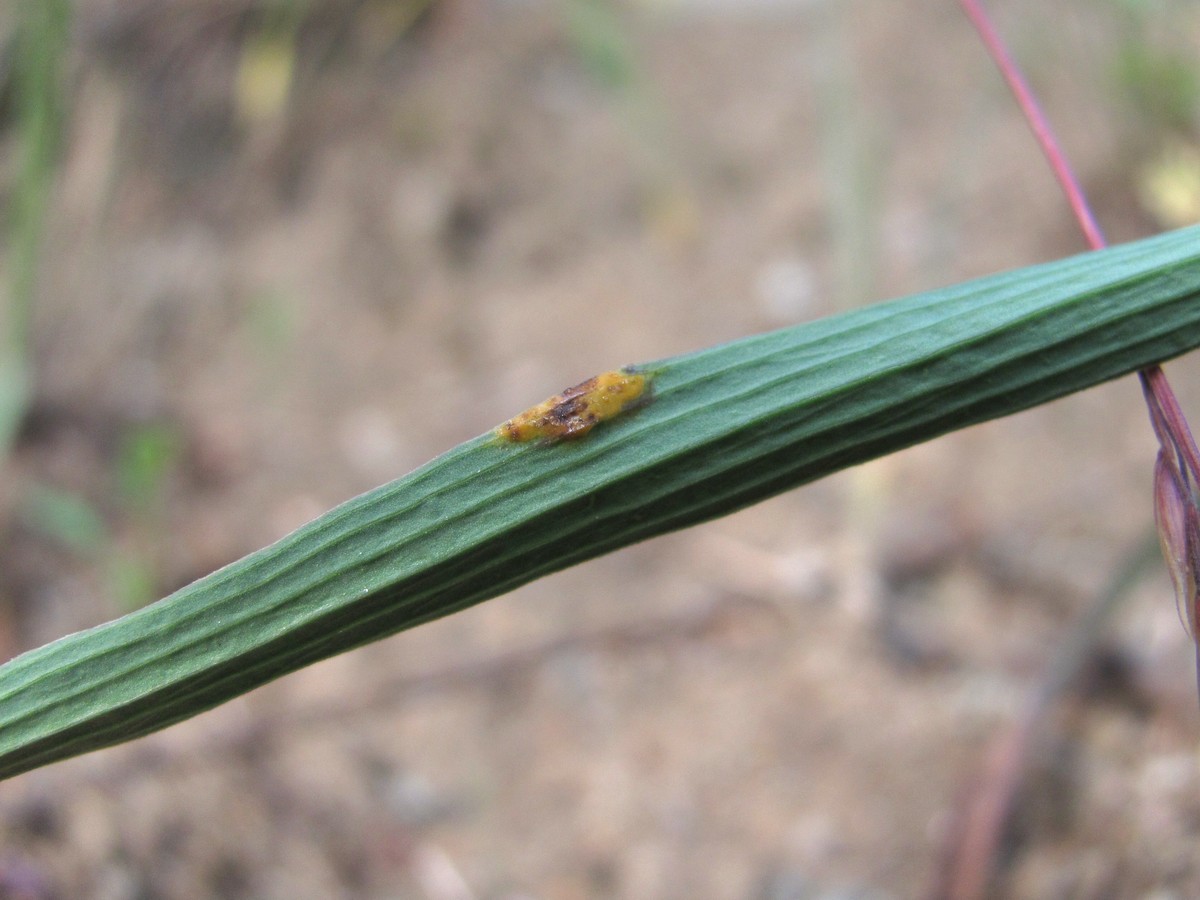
x: 726, y: 427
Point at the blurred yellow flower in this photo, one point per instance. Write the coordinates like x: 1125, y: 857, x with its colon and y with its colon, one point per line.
x: 1169, y: 187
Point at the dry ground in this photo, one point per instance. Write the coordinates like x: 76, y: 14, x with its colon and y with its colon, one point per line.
x: 454, y: 218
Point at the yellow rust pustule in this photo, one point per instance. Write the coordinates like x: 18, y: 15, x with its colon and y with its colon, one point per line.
x: 577, y: 410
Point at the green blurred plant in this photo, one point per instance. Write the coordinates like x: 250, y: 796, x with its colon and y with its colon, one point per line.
x: 852, y: 161
x: 269, y: 324
x: 146, y: 458
x: 602, y: 44
x: 147, y: 454
x: 601, y: 41
x: 267, y: 64
x: 128, y: 555
x: 1158, y: 76
x: 65, y: 518
x: 42, y: 27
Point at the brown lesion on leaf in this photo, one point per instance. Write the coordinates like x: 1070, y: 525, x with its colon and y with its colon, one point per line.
x: 577, y: 410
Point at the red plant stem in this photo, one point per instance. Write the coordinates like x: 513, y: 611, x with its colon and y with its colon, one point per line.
x: 1037, y: 122
x: 968, y: 866
x: 1165, y: 408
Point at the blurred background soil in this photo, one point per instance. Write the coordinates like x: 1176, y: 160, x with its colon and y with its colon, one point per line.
x: 295, y: 250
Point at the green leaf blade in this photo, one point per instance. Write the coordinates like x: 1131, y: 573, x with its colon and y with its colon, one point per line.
x: 727, y: 426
